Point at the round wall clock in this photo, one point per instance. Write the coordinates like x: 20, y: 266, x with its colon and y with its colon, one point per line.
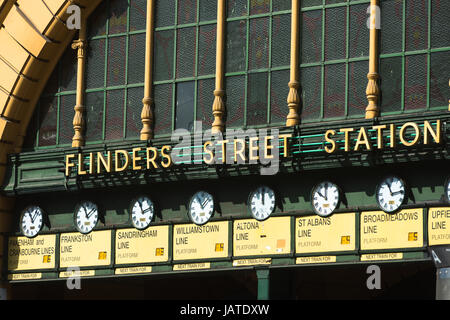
x: 201, y: 207
x: 261, y: 203
x: 86, y: 216
x: 31, y: 221
x: 325, y: 198
x: 141, y: 212
x: 390, y: 194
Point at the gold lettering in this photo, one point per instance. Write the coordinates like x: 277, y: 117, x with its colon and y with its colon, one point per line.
x: 252, y: 147
x: 117, y: 160
x: 347, y: 142
x: 152, y: 159
x: 362, y: 134
x: 81, y: 165
x: 379, y: 129
x: 268, y: 146
x: 285, y: 144
x: 166, y: 156
x: 402, y: 132
x: 136, y: 158
x: 333, y: 143
x: 69, y: 164
x: 223, y: 143
x: 435, y: 134
x: 208, y: 151
x: 240, y: 151
x: 105, y: 162
x: 392, y: 133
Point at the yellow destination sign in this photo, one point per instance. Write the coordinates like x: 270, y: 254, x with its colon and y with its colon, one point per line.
x: 438, y: 226
x: 269, y: 237
x: 31, y: 253
x: 318, y: 234
x: 82, y: 250
x: 149, y: 245
x: 200, y: 242
x: 380, y: 230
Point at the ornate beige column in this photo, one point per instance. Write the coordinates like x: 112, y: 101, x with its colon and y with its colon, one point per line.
x: 373, y: 91
x: 293, y: 99
x: 78, y: 120
x: 219, y: 105
x: 147, y: 101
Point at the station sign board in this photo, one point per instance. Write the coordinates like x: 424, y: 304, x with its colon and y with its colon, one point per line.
x: 83, y: 250
x: 31, y: 253
x: 208, y: 241
x: 269, y: 237
x: 135, y: 246
x: 380, y: 230
x: 325, y: 234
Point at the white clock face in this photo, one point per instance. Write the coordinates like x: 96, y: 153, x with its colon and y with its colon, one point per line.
x: 262, y: 203
x: 142, y: 211
x: 201, y: 207
x: 325, y: 198
x: 390, y: 194
x: 31, y: 221
x: 86, y: 216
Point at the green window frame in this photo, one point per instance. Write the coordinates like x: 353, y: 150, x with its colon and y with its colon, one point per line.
x: 247, y: 22
x: 333, y: 82
x: 181, y: 66
x: 408, y: 49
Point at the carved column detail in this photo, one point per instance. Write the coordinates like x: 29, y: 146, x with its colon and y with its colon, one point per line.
x: 147, y: 101
x: 373, y: 90
x: 80, y: 45
x: 293, y: 99
x: 219, y: 105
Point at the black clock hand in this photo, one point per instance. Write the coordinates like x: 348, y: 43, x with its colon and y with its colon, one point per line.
x: 89, y: 214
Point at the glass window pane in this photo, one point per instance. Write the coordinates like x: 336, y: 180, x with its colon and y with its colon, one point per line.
x: 236, y: 47
x: 359, y: 33
x: 311, y: 36
x: 416, y: 24
x: 187, y: 11
x: 114, y: 114
x: 259, y: 43
x: 440, y: 74
x: 116, y: 61
x: 257, y: 99
x: 391, y: 84
x: 163, y: 109
x: 186, y: 52
x: 48, y: 109
x: 94, y: 116
x: 235, y: 101
x: 184, y: 114
x: 281, y: 40
x: 334, y: 91
x: 311, y: 88
x: 416, y: 82
x: 207, y: 50
x: 335, y: 33
x: 66, y: 115
x: 134, y: 109
x: 163, y: 68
